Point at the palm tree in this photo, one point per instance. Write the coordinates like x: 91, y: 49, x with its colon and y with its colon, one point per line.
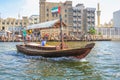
x: 100, y: 34
x: 92, y: 31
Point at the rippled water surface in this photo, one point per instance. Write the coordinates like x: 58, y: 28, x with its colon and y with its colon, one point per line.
x: 103, y: 63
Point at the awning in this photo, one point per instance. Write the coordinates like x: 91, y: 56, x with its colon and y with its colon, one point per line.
x: 47, y: 24
x: 8, y: 31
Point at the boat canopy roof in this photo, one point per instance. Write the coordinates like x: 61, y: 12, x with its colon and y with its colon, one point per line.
x: 48, y: 24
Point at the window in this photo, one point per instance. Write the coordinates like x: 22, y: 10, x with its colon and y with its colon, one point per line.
x: 24, y: 23
x: 16, y: 23
x: 52, y: 14
x: 74, y: 21
x: 56, y: 14
x: 47, y: 9
x: 93, y: 17
x: 79, y: 17
x: 7, y: 23
x: 88, y: 12
x: 93, y: 12
x: 3, y: 28
x: 47, y: 14
x: 88, y: 22
x: 64, y: 4
x: 74, y: 16
x: 65, y: 10
x: 79, y: 22
x: 74, y: 27
x: 12, y: 23
x: 65, y: 21
x: 20, y: 23
x: 88, y: 17
x: 79, y: 27
x: 65, y: 15
x: 74, y: 11
x: 79, y: 11
x: 35, y: 19
x: 3, y: 23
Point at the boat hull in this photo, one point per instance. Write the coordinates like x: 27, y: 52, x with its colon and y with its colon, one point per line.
x: 81, y: 52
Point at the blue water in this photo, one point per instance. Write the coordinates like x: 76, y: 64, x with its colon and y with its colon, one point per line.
x: 103, y: 63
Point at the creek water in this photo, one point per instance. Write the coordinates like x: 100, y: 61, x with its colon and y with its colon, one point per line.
x: 103, y: 63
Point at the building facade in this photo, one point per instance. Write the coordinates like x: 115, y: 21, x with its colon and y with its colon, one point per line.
x: 116, y: 18
x: 77, y: 20
x: 66, y: 12
x: 11, y: 27
x: 89, y: 19
x: 33, y: 19
x: 83, y: 19
x: 109, y: 33
x: 12, y: 22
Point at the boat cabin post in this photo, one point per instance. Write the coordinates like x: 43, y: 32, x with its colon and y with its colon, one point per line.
x: 62, y: 44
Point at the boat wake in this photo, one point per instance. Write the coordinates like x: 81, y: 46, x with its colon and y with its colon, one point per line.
x: 68, y: 59
x: 83, y: 60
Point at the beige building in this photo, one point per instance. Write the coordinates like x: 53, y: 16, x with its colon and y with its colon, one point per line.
x: 12, y: 22
x: 11, y: 27
x: 34, y: 19
x: 66, y: 12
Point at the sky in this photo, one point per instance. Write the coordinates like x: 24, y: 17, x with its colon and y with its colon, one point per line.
x: 13, y: 8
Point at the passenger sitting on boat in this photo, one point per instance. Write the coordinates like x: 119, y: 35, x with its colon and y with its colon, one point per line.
x: 43, y: 43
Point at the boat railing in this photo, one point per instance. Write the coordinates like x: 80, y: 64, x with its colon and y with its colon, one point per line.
x: 43, y: 47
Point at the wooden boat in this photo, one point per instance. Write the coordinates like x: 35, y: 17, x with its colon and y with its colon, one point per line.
x: 52, y: 51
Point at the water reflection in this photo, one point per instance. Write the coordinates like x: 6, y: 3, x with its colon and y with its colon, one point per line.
x: 60, y: 69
